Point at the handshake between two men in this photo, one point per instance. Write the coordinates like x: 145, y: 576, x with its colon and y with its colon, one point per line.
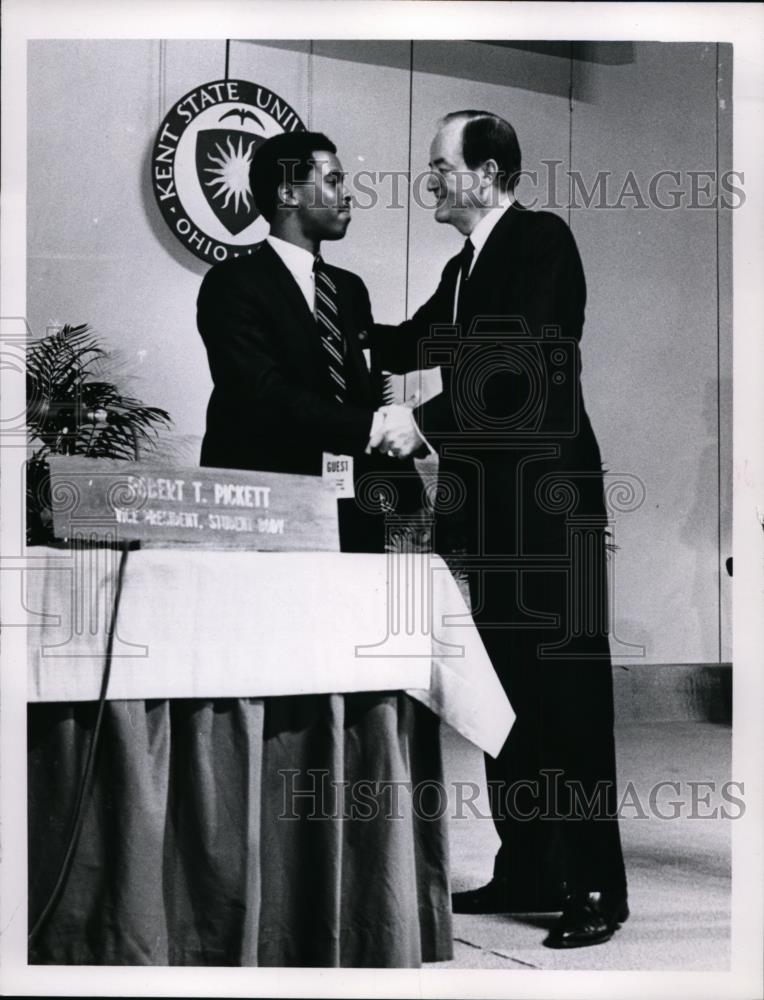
x: 394, y: 432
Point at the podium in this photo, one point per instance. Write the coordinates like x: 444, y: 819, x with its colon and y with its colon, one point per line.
x: 265, y: 792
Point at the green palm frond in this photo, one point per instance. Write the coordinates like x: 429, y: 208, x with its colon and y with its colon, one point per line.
x: 73, y: 410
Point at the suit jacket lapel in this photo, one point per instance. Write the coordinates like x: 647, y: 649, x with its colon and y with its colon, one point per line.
x: 300, y: 320
x: 290, y: 303
x: 491, y: 271
x: 354, y: 359
x: 494, y: 253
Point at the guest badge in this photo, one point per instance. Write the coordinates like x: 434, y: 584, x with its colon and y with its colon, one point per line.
x: 338, y: 473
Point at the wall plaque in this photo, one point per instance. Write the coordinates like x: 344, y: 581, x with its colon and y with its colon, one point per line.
x: 200, y: 165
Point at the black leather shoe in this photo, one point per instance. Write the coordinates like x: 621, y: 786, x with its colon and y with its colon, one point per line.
x: 588, y: 918
x: 497, y: 896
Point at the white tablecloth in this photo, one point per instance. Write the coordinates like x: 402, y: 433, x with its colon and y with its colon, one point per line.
x: 201, y: 624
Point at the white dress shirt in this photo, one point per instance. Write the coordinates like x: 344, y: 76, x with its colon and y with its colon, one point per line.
x: 299, y: 263
x: 480, y: 234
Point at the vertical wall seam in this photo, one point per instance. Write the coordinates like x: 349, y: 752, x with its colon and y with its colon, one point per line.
x: 570, y: 131
x: 162, y: 81
x: 408, y: 200
x: 718, y: 374
x: 310, y: 85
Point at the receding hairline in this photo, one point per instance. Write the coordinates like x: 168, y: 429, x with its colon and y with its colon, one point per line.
x: 462, y: 118
x: 483, y: 135
x: 469, y: 116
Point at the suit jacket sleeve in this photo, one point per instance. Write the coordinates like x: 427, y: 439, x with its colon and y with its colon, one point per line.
x: 248, y: 365
x: 399, y: 348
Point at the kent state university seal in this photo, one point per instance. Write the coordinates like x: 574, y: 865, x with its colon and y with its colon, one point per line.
x: 200, y: 165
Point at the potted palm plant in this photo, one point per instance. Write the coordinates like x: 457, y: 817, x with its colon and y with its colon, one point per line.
x: 72, y: 409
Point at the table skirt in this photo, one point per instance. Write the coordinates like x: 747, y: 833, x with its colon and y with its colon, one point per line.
x: 198, y: 848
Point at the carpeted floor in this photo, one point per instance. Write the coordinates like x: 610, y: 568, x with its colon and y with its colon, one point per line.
x: 678, y: 869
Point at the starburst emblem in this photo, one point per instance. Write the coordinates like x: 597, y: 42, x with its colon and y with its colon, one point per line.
x: 231, y: 179
x: 223, y: 158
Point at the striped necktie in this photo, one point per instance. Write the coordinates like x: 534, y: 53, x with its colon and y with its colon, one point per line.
x: 331, y: 335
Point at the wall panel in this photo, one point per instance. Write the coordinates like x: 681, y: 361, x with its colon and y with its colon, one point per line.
x: 650, y: 358
x: 363, y: 107
x: 657, y: 341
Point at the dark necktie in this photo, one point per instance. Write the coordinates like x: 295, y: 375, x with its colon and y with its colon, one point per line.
x: 465, y: 262
x: 331, y: 335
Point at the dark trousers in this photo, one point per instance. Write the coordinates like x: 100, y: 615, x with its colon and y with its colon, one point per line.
x: 553, y: 786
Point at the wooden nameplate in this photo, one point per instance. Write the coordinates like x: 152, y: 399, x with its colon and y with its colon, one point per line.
x: 102, y: 500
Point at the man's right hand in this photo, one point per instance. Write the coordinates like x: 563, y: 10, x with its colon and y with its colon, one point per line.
x: 400, y: 435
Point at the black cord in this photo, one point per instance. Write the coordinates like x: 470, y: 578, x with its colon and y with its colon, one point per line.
x: 79, y: 811
x: 227, y: 55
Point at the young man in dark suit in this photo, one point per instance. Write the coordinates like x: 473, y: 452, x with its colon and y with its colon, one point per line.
x: 516, y: 446
x: 284, y: 331
x: 283, y: 336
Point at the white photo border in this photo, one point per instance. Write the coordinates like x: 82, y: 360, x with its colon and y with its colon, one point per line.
x: 738, y: 23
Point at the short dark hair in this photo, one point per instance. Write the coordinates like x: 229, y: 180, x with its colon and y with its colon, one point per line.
x: 287, y: 156
x: 486, y: 136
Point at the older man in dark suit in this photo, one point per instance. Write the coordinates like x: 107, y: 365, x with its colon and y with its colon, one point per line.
x: 523, y: 504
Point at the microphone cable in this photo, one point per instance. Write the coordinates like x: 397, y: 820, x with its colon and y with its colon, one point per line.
x: 87, y: 774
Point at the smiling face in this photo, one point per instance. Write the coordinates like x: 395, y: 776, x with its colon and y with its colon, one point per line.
x: 458, y: 189
x: 323, y: 206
